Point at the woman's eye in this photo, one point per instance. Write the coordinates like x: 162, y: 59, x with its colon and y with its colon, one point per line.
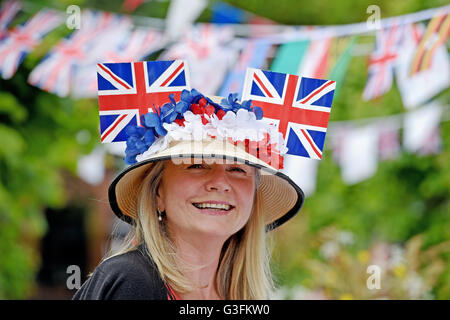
x: 196, y: 166
x: 202, y: 166
x: 238, y: 169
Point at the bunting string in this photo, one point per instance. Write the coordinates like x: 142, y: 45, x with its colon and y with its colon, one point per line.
x: 280, y: 33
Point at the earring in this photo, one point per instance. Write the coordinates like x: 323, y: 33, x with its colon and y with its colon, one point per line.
x: 159, y: 215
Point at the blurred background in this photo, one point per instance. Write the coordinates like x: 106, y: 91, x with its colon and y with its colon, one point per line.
x: 379, y: 197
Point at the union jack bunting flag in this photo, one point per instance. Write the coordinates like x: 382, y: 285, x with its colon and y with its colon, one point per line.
x: 208, y: 51
x: 300, y: 107
x: 24, y: 38
x: 56, y: 72
x: 126, y: 91
x: 382, y: 62
x: 7, y: 13
x: 135, y: 46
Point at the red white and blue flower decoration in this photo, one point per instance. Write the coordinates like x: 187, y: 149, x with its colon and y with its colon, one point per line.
x: 196, y: 117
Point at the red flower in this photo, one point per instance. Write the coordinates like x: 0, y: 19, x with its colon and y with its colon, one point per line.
x: 197, y: 109
x: 203, y: 109
x: 203, y: 102
x: 220, y: 114
x: 262, y: 150
x: 180, y: 122
x: 209, y: 110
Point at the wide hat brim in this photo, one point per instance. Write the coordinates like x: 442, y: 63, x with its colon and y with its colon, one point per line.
x: 281, y: 198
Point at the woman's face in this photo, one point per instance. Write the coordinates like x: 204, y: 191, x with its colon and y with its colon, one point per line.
x: 213, y: 199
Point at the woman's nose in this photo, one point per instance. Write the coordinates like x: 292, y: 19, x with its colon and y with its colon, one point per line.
x: 217, y: 180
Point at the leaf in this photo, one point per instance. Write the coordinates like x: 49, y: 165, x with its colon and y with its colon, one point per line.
x: 10, y: 106
x: 12, y: 142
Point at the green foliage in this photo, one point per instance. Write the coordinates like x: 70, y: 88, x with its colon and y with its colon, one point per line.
x: 38, y: 140
x: 302, y: 12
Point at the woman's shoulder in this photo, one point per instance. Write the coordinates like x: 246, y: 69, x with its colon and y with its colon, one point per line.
x: 134, y: 261
x: 131, y: 275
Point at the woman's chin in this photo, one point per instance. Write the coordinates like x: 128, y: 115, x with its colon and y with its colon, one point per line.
x: 215, y: 226
x: 210, y: 223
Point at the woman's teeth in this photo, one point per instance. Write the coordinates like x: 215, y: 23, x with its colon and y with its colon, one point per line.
x: 216, y: 206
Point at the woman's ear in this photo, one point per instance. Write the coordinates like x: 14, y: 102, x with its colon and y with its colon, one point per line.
x: 160, y: 202
x: 160, y: 199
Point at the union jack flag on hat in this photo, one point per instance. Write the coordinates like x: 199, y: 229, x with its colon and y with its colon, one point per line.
x: 127, y: 91
x: 300, y: 107
x: 24, y: 38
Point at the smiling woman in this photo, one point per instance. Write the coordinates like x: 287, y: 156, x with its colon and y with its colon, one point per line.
x: 200, y: 226
x: 197, y: 237
x: 195, y: 195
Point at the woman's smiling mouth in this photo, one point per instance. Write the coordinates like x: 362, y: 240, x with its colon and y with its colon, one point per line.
x: 213, y: 208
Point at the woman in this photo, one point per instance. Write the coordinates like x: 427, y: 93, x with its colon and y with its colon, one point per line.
x: 201, y: 197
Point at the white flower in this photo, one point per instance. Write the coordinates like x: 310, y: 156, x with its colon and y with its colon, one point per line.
x: 242, y: 117
x: 228, y: 120
x: 237, y: 126
x: 190, y: 117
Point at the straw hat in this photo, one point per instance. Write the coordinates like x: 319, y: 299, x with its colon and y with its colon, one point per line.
x: 220, y: 140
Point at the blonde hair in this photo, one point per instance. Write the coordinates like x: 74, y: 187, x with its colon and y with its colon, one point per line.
x: 244, y: 265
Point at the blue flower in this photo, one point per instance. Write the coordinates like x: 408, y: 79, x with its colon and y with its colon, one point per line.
x: 129, y: 159
x: 186, y: 96
x: 134, y: 131
x: 247, y: 105
x: 185, y: 102
x: 138, y: 141
x: 231, y: 103
x: 168, y: 113
x: 135, y: 146
x: 149, y: 137
x: 258, y: 112
x: 190, y: 97
x: 153, y: 121
x: 196, y: 96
